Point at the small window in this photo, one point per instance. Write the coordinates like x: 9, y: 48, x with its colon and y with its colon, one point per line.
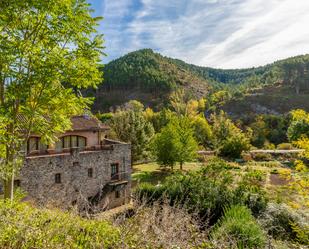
x: 81, y: 142
x: 74, y: 142
x: 33, y: 144
x: 90, y: 172
x: 114, y: 171
x: 75, y: 164
x: 58, y: 178
x: 66, y: 142
x: 17, y: 183
x: 117, y: 194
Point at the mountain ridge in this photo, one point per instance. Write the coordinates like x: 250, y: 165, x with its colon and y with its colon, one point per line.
x: 151, y: 77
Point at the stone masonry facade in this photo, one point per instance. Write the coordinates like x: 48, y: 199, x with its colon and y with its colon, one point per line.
x: 75, y: 177
x: 82, y: 168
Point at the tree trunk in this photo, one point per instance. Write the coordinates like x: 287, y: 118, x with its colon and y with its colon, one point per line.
x: 9, y: 188
x: 297, y: 89
x: 181, y: 163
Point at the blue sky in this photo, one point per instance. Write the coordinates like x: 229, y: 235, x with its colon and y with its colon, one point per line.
x: 216, y: 33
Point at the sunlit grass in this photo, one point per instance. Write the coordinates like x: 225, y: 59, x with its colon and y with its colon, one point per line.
x: 153, y: 173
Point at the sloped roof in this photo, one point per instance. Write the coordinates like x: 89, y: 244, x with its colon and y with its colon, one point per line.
x: 87, y: 123
x: 79, y: 123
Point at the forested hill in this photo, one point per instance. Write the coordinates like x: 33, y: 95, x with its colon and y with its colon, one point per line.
x: 145, y: 76
x: 150, y: 77
x: 225, y: 76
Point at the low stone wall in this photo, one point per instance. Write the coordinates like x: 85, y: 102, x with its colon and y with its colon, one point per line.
x: 38, y: 176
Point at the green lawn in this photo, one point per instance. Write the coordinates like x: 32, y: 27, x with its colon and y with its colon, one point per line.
x: 153, y: 173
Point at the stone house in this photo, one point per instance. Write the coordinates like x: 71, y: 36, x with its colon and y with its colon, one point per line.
x: 83, y: 168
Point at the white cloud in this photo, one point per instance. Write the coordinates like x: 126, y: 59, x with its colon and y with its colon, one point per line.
x: 219, y: 33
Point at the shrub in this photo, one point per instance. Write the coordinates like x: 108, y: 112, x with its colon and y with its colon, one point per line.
x: 300, y: 166
x: 268, y: 164
x: 274, y: 171
x: 233, y: 146
x: 206, y: 191
x: 161, y: 226
x: 246, y: 157
x: 285, y: 146
x: 238, y: 229
x: 250, y: 193
x: 148, y: 192
x: 105, y: 117
x: 269, y: 146
x: 228, y: 139
x: 262, y: 157
x: 22, y: 226
x: 282, y: 222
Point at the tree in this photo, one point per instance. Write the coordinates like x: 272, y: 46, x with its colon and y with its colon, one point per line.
x: 185, y: 144
x: 299, y: 126
x: 228, y: 139
x: 48, y: 51
x: 130, y: 125
x: 202, y: 130
x: 159, y: 119
x: 164, y: 146
x: 175, y: 143
x: 260, y: 132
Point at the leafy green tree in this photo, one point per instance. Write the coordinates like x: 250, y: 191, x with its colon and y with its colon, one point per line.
x: 130, y: 125
x: 277, y: 126
x: 260, y: 132
x: 228, y: 139
x: 202, y: 131
x: 159, y: 119
x: 175, y: 143
x: 299, y: 126
x: 164, y: 146
x: 186, y: 145
x: 48, y: 51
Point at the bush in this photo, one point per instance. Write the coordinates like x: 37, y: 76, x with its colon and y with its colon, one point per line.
x: 22, y: 226
x: 268, y: 164
x: 228, y: 139
x: 161, y: 226
x: 285, y: 146
x: 250, y: 193
x: 238, y: 229
x: 282, y: 222
x: 149, y: 193
x: 269, y: 146
x: 206, y: 191
x: 105, y: 117
x: 262, y: 157
x: 233, y: 146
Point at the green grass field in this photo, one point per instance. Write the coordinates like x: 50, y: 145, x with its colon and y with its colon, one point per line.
x: 153, y: 173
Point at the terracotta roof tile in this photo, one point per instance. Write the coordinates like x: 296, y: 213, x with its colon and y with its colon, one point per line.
x: 79, y: 123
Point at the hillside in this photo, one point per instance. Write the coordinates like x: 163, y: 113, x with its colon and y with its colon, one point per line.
x: 274, y: 99
x: 150, y: 78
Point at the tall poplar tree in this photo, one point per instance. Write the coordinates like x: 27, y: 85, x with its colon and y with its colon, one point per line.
x: 48, y: 51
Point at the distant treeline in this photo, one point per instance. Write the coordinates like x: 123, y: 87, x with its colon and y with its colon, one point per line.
x: 150, y: 71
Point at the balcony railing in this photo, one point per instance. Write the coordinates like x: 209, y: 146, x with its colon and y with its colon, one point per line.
x: 69, y: 150
x: 121, y: 176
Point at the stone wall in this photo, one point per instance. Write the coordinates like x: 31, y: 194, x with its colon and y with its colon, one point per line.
x: 37, y: 176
